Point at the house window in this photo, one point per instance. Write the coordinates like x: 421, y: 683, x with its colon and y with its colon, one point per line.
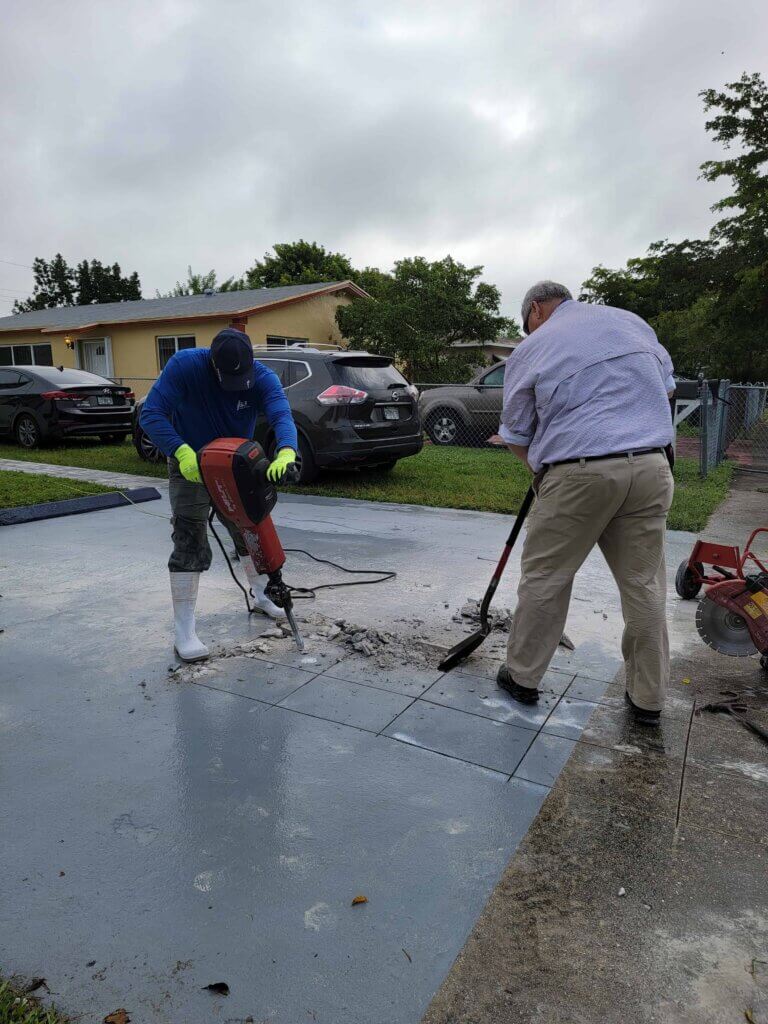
x: 170, y: 344
x: 277, y: 341
x: 26, y: 355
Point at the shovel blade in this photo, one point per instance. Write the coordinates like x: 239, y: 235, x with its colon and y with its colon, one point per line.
x: 462, y: 650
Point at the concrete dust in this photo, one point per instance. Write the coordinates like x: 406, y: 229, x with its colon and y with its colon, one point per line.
x: 321, y: 634
x: 499, y: 619
x: 470, y: 613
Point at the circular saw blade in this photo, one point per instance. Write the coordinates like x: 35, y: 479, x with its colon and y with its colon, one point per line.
x: 723, y: 630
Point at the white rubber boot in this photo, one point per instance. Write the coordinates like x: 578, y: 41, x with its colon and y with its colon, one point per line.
x: 257, y: 589
x: 184, y: 587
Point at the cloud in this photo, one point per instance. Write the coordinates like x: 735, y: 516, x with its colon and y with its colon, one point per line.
x: 534, y: 139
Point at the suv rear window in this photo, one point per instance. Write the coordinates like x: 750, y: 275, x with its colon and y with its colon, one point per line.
x: 288, y: 371
x: 367, y: 372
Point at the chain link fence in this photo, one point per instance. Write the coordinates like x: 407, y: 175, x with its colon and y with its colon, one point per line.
x: 745, y: 433
x: 714, y: 419
x: 463, y: 415
x: 712, y: 423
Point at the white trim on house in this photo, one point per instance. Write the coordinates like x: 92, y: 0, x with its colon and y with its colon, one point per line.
x: 110, y: 370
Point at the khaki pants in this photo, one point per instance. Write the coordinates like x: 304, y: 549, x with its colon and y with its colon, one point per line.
x: 621, y: 505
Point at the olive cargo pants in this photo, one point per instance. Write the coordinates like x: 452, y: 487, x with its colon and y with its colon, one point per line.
x: 190, y: 506
x: 621, y: 505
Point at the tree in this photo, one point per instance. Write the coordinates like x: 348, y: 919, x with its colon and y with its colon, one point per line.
x: 298, y: 263
x: 58, y: 284
x: 96, y: 283
x: 420, y: 311
x: 708, y: 299
x: 198, y: 284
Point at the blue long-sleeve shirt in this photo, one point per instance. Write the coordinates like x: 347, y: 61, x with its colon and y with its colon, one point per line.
x: 187, y: 405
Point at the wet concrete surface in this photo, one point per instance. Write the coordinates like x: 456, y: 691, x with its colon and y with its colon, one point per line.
x: 640, y: 893
x: 183, y: 833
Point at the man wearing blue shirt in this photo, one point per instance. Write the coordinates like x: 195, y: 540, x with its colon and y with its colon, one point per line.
x: 201, y: 395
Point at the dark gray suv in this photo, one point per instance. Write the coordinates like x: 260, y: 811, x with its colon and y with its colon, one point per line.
x: 352, y: 409
x: 464, y: 414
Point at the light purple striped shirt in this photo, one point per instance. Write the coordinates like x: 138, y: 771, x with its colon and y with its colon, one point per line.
x: 592, y: 380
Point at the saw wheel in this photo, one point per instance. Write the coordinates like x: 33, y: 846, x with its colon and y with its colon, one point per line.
x: 723, y: 630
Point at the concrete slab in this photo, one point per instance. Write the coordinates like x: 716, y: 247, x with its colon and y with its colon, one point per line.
x: 569, y: 717
x: 348, y: 703
x: 405, y: 679
x: 482, y: 697
x: 252, y: 677
x: 554, y: 680
x: 479, y: 741
x: 639, y: 893
x: 545, y: 759
x: 205, y: 834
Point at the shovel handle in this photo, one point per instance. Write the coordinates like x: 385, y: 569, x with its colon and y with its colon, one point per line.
x: 499, y: 570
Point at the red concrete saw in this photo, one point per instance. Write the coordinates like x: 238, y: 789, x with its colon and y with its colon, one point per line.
x: 732, y: 616
x: 235, y: 473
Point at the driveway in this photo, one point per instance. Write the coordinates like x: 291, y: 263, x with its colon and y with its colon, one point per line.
x: 169, y: 830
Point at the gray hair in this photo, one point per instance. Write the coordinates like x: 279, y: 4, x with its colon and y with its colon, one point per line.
x: 542, y: 291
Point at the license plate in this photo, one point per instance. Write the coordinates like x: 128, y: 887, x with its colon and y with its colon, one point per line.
x: 391, y: 412
x: 103, y: 400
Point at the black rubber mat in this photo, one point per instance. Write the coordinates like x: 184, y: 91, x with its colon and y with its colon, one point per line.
x: 75, y: 506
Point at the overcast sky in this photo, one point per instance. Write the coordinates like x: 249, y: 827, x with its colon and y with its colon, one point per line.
x: 535, y: 138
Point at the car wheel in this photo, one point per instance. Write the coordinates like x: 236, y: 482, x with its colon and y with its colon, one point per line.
x: 27, y: 431
x: 112, y: 438
x: 145, y: 447
x: 444, y: 427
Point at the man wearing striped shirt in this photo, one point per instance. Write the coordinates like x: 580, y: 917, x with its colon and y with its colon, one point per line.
x: 586, y: 408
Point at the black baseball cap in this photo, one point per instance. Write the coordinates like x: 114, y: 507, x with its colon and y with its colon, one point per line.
x: 232, y: 359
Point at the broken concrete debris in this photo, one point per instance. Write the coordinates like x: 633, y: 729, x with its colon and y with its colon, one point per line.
x: 500, y: 617
x: 386, y: 649
x: 470, y: 612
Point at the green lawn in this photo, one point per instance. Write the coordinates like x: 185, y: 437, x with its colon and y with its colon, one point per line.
x: 119, y: 458
x: 18, y: 488
x: 17, y: 1008
x: 472, y: 478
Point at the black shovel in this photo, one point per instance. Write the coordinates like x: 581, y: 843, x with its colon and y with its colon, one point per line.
x: 470, y: 643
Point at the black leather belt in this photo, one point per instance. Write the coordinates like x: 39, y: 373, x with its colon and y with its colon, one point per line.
x: 612, y: 455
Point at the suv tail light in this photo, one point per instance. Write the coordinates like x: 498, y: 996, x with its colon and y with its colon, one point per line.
x: 61, y: 396
x: 129, y: 396
x: 340, y: 394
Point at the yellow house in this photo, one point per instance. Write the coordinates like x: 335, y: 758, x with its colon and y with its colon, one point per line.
x: 132, y: 341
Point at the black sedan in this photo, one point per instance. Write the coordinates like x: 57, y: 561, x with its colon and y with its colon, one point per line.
x: 38, y: 403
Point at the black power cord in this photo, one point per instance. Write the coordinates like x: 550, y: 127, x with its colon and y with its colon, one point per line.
x: 311, y: 592
x: 229, y: 563
x: 306, y: 593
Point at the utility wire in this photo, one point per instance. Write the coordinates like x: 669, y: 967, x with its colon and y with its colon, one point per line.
x: 10, y: 263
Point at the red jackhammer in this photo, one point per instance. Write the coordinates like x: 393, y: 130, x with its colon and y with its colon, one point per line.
x: 235, y: 473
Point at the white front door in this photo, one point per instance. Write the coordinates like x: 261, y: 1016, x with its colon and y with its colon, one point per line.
x: 94, y: 357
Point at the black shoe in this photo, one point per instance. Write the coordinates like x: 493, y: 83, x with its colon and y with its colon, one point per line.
x: 522, y: 693
x: 641, y: 715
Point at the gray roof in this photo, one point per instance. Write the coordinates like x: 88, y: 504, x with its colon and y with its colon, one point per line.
x: 182, y: 306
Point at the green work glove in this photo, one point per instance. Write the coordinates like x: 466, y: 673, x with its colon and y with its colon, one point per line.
x: 284, y: 458
x: 187, y: 458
